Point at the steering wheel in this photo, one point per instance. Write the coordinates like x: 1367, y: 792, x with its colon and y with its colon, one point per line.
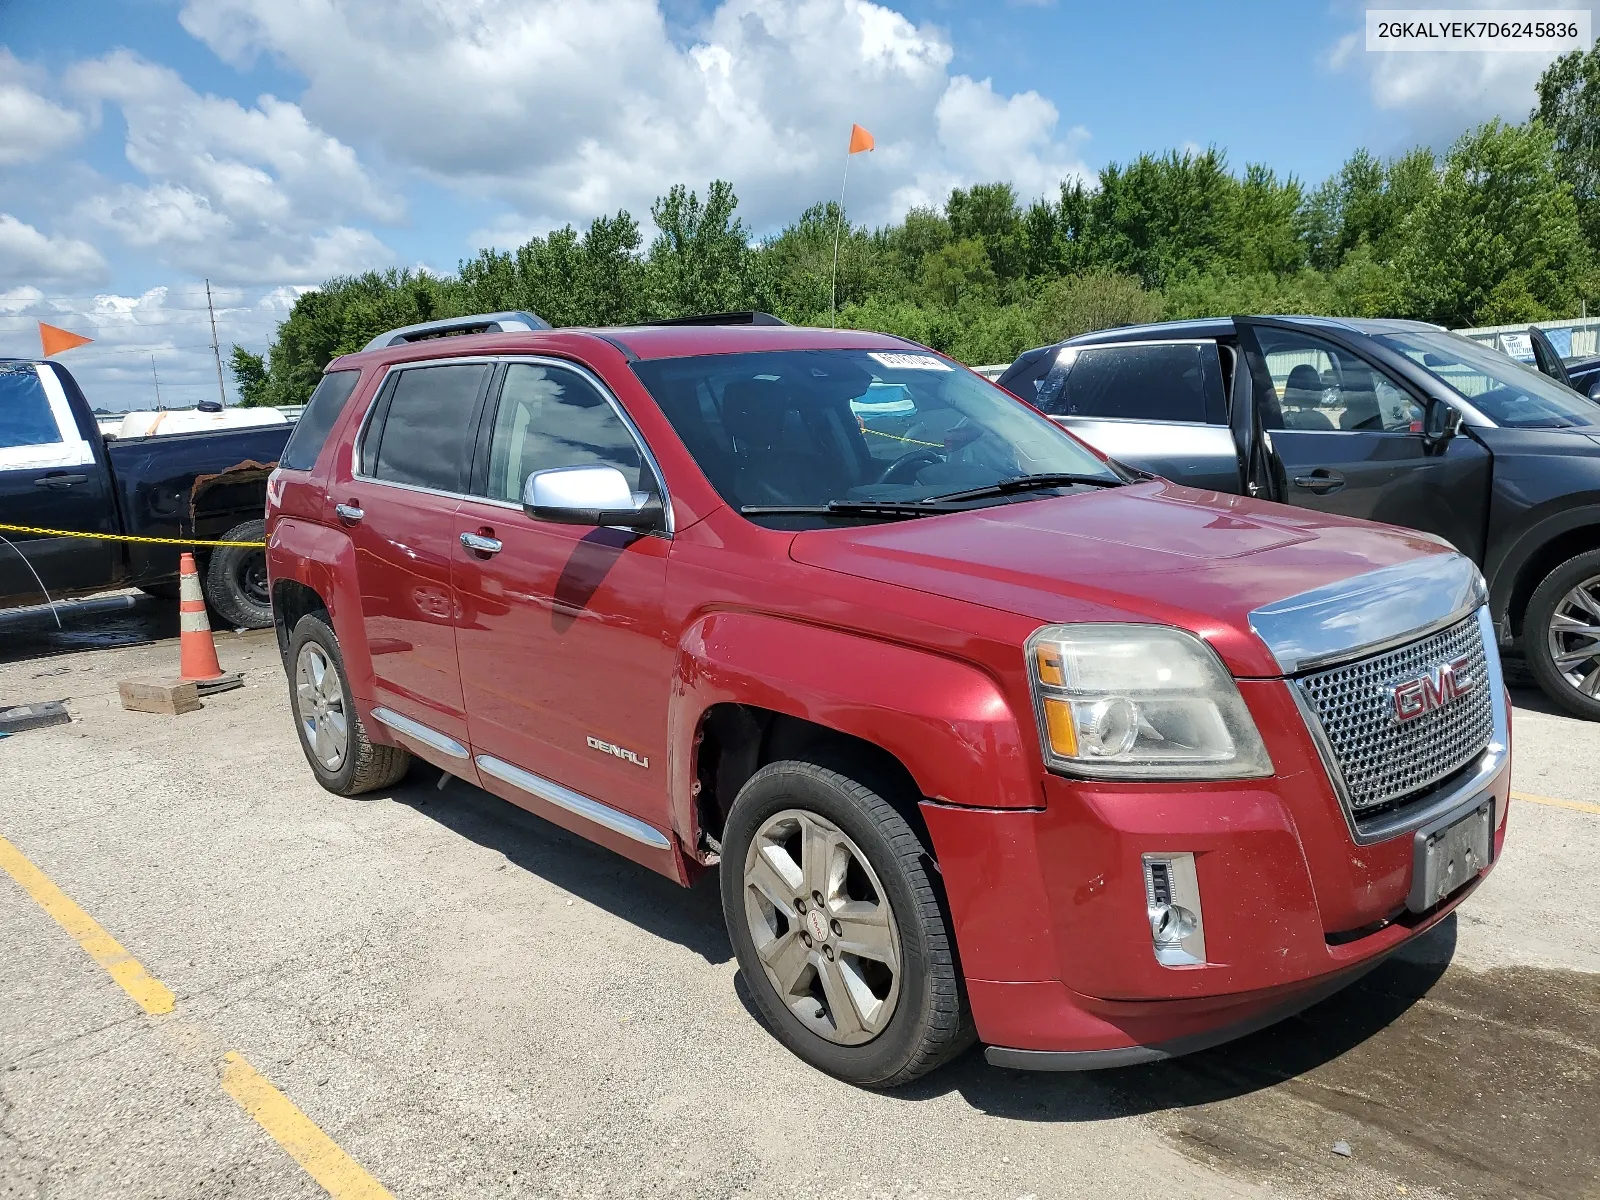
x: 900, y: 470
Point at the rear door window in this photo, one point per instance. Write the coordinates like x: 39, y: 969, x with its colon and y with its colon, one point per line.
x: 321, y: 412
x: 1151, y: 381
x: 422, y: 436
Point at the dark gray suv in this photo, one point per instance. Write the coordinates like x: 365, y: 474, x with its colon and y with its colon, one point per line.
x: 1393, y: 421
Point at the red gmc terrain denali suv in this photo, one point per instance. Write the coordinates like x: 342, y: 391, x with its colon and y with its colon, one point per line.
x: 988, y: 737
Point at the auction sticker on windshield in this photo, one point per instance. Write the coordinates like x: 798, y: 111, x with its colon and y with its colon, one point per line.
x: 910, y: 362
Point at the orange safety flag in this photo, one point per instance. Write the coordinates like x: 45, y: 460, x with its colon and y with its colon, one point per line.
x: 56, y: 340
x: 860, y: 140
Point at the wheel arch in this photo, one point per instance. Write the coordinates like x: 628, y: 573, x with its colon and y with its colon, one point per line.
x: 1538, y: 551
x: 753, y: 688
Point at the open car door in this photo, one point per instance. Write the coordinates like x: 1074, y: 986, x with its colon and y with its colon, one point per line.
x: 1544, y: 354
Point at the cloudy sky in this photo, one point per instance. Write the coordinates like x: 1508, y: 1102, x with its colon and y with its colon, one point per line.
x: 147, y: 145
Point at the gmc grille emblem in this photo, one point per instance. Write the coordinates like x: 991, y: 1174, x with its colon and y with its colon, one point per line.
x: 1436, y: 688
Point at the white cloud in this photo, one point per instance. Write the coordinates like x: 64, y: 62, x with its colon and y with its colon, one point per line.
x: 31, y: 127
x: 245, y: 194
x: 1435, y: 96
x: 25, y: 253
x: 568, y: 108
x: 168, y: 324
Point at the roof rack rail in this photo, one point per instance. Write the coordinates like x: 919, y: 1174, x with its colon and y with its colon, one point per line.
x: 500, y: 322
x: 726, y: 318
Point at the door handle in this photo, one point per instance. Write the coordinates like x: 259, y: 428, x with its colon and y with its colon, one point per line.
x: 479, y: 544
x: 1321, y: 481
x: 348, y: 513
x: 59, y: 482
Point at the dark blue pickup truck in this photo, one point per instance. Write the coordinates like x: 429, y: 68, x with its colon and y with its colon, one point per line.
x: 58, y: 472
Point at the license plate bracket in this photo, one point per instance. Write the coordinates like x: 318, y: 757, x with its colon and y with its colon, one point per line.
x: 1449, y: 853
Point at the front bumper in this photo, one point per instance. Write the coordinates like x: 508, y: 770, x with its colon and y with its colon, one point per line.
x: 1050, y: 916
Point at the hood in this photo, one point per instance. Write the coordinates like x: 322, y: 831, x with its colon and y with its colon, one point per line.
x: 1154, y: 551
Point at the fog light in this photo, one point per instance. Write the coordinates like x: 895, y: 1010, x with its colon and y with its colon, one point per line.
x: 1172, y: 903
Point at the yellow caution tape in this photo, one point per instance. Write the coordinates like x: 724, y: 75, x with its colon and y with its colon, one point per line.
x: 126, y: 537
x: 909, y: 441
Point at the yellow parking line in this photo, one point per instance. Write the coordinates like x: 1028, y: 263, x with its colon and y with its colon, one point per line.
x: 341, y: 1176
x: 147, y: 991
x: 1579, y: 805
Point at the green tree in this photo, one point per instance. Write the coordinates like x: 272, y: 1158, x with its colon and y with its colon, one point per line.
x: 249, y: 376
x: 957, y: 272
x: 1161, y: 217
x: 699, y: 259
x: 1499, y: 239
x: 1263, y: 223
x: 1085, y: 303
x: 1569, y: 106
x: 988, y: 213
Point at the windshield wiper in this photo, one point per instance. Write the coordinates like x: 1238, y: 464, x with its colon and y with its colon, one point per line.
x: 851, y: 508
x: 1025, y: 483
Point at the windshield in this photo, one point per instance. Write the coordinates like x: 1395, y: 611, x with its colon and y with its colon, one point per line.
x: 814, y: 427
x: 1499, y: 387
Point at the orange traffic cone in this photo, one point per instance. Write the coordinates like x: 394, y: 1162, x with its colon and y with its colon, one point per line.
x: 198, y: 652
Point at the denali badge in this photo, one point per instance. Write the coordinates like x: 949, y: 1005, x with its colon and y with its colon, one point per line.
x: 1433, y: 690
x: 607, y: 748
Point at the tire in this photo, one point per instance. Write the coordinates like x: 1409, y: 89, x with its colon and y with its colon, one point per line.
x: 915, y: 1014
x: 236, y: 579
x: 360, y: 766
x: 1564, y: 659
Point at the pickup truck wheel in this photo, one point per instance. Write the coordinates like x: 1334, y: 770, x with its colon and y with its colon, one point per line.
x: 236, y: 579
x: 1561, y: 635
x: 331, y: 733
x: 838, y: 927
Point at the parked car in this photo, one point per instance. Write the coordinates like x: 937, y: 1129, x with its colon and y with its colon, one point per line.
x: 1394, y: 421
x: 58, y: 471
x: 986, y: 736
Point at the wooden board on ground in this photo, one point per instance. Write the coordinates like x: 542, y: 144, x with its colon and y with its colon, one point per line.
x: 169, y: 697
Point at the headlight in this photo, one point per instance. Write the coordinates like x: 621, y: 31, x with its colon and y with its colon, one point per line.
x: 1139, y: 702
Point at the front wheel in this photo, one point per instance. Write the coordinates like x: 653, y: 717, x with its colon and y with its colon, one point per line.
x: 1561, y: 635
x: 335, y: 741
x: 838, y: 926
x: 236, y: 578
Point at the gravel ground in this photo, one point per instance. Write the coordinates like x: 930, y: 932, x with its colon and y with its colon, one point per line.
x: 473, y: 1002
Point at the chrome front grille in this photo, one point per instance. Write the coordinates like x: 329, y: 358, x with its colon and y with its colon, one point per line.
x: 1382, y: 759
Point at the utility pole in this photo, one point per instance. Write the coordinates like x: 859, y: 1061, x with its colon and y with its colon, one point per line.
x: 222, y: 392
x: 157, y: 378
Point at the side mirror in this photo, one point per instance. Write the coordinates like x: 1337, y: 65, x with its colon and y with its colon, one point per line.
x: 588, y: 496
x: 1440, y: 423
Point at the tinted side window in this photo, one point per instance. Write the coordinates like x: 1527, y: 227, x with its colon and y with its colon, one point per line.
x: 1320, y: 386
x: 552, y: 417
x: 423, y: 439
x: 1175, y: 382
x: 25, y: 416
x: 321, y: 411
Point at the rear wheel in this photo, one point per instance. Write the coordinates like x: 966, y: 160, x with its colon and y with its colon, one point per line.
x: 838, y: 927
x: 1561, y: 635
x: 335, y: 742
x: 236, y: 578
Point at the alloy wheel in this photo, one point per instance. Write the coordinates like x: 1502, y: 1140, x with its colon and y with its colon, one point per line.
x: 1575, y: 637
x: 822, y: 926
x: 319, y: 699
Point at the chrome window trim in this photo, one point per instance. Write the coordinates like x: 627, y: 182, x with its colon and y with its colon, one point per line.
x: 542, y: 360
x: 574, y: 802
x: 1464, y: 792
x: 417, y: 731
x: 1356, y: 617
